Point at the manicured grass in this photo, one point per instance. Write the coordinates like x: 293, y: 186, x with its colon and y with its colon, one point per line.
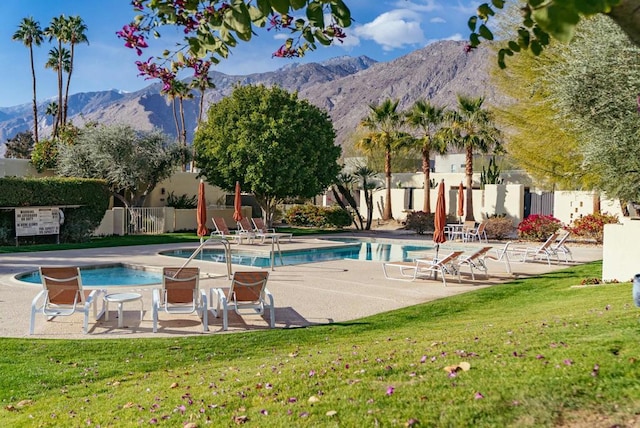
x: 540, y: 352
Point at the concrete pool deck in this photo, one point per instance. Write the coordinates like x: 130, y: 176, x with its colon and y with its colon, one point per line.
x: 308, y: 294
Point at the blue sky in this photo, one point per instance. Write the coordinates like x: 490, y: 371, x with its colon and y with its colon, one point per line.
x: 382, y: 30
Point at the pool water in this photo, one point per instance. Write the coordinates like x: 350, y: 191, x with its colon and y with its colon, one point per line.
x: 354, y: 249
x: 111, y: 275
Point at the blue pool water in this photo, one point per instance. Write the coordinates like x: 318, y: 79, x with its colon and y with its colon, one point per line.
x: 355, y: 249
x: 112, y: 275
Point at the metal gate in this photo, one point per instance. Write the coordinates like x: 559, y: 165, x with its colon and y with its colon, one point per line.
x: 145, y: 221
x: 538, y: 203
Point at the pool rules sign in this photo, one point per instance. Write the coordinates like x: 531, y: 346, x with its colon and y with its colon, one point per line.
x: 33, y: 221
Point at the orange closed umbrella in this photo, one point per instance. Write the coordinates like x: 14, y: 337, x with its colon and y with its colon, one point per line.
x: 201, y: 211
x: 461, y: 201
x: 237, y: 204
x: 440, y: 219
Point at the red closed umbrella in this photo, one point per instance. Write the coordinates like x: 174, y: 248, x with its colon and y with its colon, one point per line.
x: 461, y: 201
x: 237, y: 204
x: 201, y: 211
x: 440, y: 219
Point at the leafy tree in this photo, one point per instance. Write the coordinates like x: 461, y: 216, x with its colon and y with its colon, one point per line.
x: 212, y: 29
x: 44, y: 155
x: 471, y: 128
x: 132, y: 162
x: 428, y: 120
x: 384, y: 123
x: 543, y: 20
x: 30, y: 34
x: 276, y: 145
x: 20, y: 146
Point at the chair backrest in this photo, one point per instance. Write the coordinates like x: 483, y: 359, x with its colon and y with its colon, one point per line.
x: 180, y: 285
x: 469, y: 225
x: 221, y: 225
x: 451, y: 257
x: 63, y: 284
x: 259, y: 224
x: 248, y: 286
x: 244, y: 225
x: 481, y: 252
x: 481, y: 227
x: 549, y: 242
x: 562, y: 240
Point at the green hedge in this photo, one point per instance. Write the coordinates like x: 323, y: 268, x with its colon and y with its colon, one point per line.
x: 315, y: 216
x: 92, y: 196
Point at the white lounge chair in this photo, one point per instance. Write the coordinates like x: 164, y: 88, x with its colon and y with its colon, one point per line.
x: 409, y: 271
x: 223, y: 231
x: 478, y: 233
x: 476, y: 261
x: 534, y: 253
x: 62, y: 295
x: 261, y: 229
x: 501, y: 255
x: 560, y: 247
x: 247, y: 294
x: 180, y: 294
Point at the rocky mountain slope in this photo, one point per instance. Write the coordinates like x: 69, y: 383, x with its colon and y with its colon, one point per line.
x: 344, y: 86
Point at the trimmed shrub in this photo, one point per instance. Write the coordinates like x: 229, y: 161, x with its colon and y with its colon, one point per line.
x: 315, y: 216
x: 85, y: 202
x: 420, y: 221
x: 592, y: 226
x: 499, y: 227
x: 538, y: 227
x: 182, y: 202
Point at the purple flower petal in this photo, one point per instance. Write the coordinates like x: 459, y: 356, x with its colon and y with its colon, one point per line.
x: 390, y: 390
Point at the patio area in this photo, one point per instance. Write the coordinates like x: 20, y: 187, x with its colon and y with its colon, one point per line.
x: 306, y: 294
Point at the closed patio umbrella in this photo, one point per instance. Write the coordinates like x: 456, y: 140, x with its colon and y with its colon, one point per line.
x: 440, y: 219
x: 237, y: 204
x: 201, y: 211
x: 461, y: 201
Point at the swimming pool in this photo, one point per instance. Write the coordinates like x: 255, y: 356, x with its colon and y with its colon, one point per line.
x: 113, y: 275
x: 354, y: 249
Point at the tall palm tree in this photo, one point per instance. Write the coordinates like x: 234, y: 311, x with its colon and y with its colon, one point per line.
x: 384, y: 123
x: 59, y: 61
x: 471, y: 129
x: 75, y: 33
x: 57, y: 29
x: 428, y: 120
x: 29, y: 33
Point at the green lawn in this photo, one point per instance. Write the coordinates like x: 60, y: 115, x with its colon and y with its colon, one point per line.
x: 541, y: 353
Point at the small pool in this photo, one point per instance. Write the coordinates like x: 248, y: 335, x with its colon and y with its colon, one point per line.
x: 353, y: 249
x: 106, y: 276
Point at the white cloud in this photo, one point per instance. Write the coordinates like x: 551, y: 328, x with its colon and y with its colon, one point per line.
x: 393, y: 30
x: 437, y: 20
x: 455, y: 37
x: 418, y: 6
x: 468, y: 8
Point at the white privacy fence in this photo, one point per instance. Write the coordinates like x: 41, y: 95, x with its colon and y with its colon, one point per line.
x: 145, y: 221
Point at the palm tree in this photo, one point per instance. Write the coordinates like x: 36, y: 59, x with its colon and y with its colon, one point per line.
x: 59, y: 61
x: 75, y: 32
x: 471, y: 128
x: 384, y: 122
x: 29, y: 33
x: 428, y: 119
x: 52, y: 109
x: 57, y: 29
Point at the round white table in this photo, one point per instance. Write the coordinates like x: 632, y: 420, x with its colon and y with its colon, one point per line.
x: 121, y: 299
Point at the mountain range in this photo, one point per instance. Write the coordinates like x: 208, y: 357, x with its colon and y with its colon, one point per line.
x: 343, y: 86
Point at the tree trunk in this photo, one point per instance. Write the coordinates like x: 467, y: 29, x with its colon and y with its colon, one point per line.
x: 426, y: 170
x: 60, y: 100
x: 35, y: 102
x: 66, y: 91
x: 597, y: 209
x: 387, y: 214
x: 468, y: 169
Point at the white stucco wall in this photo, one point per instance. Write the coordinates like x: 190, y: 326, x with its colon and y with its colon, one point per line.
x: 620, y: 251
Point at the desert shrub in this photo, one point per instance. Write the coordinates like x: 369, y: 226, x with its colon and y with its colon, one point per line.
x: 337, y: 217
x: 592, y: 226
x: 182, y: 202
x: 538, y: 227
x: 420, y: 221
x: 499, y: 227
x: 316, y: 216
